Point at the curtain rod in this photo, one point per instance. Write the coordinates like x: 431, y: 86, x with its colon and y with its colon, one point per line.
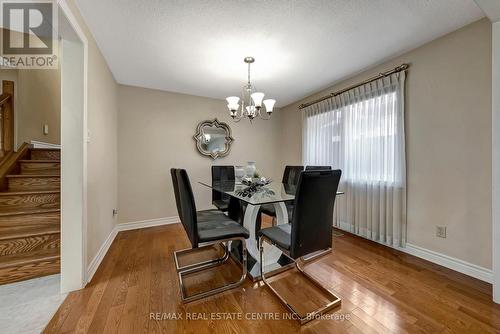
x: 397, y: 69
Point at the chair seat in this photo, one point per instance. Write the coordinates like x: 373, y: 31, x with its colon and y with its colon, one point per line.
x: 209, y: 215
x: 213, y: 225
x: 281, y: 235
x: 220, y: 204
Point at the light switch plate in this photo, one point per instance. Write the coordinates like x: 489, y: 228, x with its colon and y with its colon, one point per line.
x: 45, y: 129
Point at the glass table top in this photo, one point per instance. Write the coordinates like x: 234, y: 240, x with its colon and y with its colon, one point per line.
x: 272, y: 193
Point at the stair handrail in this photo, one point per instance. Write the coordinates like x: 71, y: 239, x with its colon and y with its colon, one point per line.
x: 8, y: 164
x: 7, y: 126
x: 4, y: 98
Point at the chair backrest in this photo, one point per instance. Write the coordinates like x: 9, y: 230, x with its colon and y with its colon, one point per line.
x: 318, y: 167
x: 313, y: 211
x: 221, y: 173
x: 175, y: 184
x: 188, y: 206
x: 291, y: 175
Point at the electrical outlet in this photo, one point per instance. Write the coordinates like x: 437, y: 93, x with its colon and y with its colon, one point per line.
x: 441, y: 231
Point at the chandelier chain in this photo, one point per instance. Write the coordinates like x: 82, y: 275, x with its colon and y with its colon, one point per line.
x: 249, y: 74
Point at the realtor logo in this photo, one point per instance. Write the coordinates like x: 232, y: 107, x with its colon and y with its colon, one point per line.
x: 29, y: 34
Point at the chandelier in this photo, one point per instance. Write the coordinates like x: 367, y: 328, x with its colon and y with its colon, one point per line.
x: 251, y: 101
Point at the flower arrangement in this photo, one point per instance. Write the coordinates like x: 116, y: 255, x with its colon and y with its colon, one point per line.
x: 253, y: 185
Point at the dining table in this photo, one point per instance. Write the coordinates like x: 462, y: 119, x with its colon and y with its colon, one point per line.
x: 244, y: 206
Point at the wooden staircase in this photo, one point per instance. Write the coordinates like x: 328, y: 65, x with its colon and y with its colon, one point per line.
x: 30, y: 214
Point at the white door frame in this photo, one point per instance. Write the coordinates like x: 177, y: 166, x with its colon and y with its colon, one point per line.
x: 492, y: 9
x: 74, y: 201
x: 496, y: 159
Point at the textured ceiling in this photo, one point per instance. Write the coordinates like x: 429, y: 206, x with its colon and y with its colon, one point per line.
x: 197, y: 47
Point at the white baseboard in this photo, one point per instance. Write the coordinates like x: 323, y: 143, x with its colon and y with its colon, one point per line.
x: 449, y: 262
x: 467, y: 268
x: 96, y: 261
x: 147, y: 223
x: 41, y: 144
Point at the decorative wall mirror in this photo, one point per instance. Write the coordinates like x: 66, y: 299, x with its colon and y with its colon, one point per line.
x: 213, y: 138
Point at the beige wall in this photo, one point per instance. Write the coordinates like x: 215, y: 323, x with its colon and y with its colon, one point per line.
x: 102, y: 148
x: 448, y: 117
x: 155, y: 133
x: 39, y: 103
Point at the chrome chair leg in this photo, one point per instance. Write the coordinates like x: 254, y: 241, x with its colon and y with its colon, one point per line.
x: 335, y: 301
x: 205, y: 265
x: 315, y: 255
x: 212, y: 262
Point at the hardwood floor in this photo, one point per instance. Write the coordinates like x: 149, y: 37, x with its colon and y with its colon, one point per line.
x: 136, y: 290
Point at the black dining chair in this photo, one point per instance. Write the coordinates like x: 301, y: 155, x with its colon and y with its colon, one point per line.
x: 202, y: 215
x: 221, y: 174
x: 204, y: 229
x: 309, y: 232
x: 291, y: 175
x: 318, y: 167
x: 290, y: 179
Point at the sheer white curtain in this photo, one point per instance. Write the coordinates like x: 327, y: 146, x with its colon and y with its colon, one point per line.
x: 362, y: 132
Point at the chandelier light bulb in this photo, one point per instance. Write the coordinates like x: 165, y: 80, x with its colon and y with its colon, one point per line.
x: 257, y: 99
x: 269, y: 103
x: 251, y: 111
x: 232, y: 103
x: 233, y: 109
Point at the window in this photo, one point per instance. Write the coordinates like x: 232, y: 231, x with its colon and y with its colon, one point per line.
x: 361, y: 138
x: 361, y: 132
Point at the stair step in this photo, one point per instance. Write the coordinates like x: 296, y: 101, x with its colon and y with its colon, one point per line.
x: 37, y: 167
x: 22, y: 266
x: 32, y: 217
x: 28, y: 239
x: 11, y: 202
x: 44, y: 153
x: 39, y: 161
x: 28, y: 211
x: 25, y: 258
x: 22, y: 182
x: 30, y: 235
x: 16, y: 232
